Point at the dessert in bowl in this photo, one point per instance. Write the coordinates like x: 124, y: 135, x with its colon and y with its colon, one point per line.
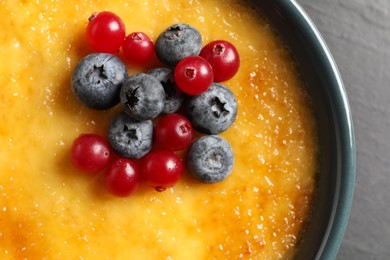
x: 291, y: 134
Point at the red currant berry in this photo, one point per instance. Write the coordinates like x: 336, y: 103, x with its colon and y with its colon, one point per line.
x: 223, y: 57
x: 193, y: 75
x: 161, y: 169
x: 173, y: 132
x: 122, y: 177
x: 138, y: 48
x: 90, y: 153
x: 105, y: 32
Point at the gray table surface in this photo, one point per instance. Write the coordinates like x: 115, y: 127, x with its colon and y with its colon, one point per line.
x: 357, y: 33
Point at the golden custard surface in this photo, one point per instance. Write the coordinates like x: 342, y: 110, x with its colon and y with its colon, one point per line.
x: 50, y: 211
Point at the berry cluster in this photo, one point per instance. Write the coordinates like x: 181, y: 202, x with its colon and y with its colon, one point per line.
x: 161, y: 108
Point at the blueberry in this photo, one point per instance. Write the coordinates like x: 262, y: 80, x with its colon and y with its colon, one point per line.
x: 142, y: 96
x: 174, y: 97
x: 177, y: 42
x: 97, y: 80
x: 210, y: 159
x: 130, y: 138
x: 213, y: 111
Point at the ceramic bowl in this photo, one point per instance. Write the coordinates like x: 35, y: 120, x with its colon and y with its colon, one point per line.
x: 325, y: 232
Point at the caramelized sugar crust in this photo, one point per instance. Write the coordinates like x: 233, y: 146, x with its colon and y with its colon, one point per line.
x: 47, y: 209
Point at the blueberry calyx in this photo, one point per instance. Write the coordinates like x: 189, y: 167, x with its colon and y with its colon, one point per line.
x: 218, y: 107
x: 131, y: 98
x: 97, y: 74
x: 173, y: 32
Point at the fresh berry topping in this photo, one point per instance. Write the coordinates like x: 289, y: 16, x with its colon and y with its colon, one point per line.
x: 105, y: 32
x: 210, y: 159
x: 173, y: 132
x: 223, y: 57
x: 101, y: 81
x: 138, y: 48
x: 122, y: 177
x: 161, y: 169
x: 142, y: 96
x: 97, y: 80
x: 90, y: 153
x: 130, y: 138
x: 177, y: 42
x: 174, y: 97
x: 193, y: 75
x: 214, y: 111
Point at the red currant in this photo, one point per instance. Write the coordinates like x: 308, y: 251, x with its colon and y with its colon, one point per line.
x: 122, y: 177
x: 193, y: 75
x: 173, y: 132
x: 138, y: 48
x: 90, y: 153
x: 161, y: 169
x: 105, y: 32
x: 223, y: 57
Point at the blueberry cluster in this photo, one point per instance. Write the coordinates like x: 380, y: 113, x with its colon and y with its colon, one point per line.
x: 101, y: 81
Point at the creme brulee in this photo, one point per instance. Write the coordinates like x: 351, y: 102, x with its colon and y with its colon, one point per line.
x: 50, y: 211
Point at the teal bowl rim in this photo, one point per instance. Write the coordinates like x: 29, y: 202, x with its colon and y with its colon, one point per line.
x: 343, y: 118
